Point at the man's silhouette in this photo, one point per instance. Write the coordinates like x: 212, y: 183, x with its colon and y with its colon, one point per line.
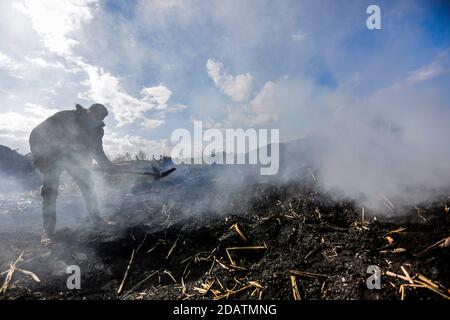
x: 69, y: 140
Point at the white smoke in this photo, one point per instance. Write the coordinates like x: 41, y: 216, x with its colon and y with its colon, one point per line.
x: 391, y: 144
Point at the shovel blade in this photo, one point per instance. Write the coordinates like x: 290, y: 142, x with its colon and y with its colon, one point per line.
x: 167, y: 172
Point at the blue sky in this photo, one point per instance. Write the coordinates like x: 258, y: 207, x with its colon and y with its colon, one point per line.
x: 159, y: 65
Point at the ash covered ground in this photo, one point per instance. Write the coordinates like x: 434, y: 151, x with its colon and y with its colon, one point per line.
x: 199, y: 235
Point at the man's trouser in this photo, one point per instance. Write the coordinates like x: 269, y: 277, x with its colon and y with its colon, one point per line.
x: 49, y: 191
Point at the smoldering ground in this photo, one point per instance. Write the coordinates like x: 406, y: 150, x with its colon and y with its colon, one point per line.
x: 174, y: 235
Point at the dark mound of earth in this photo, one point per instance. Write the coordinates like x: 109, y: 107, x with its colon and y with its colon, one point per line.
x: 272, y: 242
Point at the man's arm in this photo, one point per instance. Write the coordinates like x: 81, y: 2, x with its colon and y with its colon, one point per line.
x: 100, y: 155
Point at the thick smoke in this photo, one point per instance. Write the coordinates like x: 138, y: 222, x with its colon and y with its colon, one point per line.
x: 392, y: 144
x: 387, y: 147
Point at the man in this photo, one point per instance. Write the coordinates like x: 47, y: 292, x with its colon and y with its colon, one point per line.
x: 69, y: 140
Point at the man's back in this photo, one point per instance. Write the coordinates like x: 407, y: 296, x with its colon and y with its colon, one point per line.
x: 66, y: 134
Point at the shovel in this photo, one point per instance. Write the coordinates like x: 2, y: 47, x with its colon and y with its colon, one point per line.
x: 155, y: 173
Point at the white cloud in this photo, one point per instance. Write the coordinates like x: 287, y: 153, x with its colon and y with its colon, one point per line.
x: 15, y: 125
x: 158, y: 96
x: 105, y: 88
x: 176, y: 108
x: 20, y: 69
x: 10, y: 65
x: 238, y: 88
x: 152, y: 123
x: 39, y: 62
x: 55, y: 20
x: 439, y: 66
x: 39, y: 111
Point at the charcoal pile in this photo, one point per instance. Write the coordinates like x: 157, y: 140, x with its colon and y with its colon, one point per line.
x: 186, y: 238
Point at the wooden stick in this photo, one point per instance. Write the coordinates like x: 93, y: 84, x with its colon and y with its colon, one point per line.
x: 29, y: 273
x: 307, y: 274
x: 407, y: 275
x: 141, y: 282
x: 233, y: 263
x: 429, y: 287
x: 396, y: 230
x: 248, y: 248
x: 431, y: 247
x: 426, y: 280
x: 133, y: 255
x: 12, y: 268
x: 232, y: 292
x: 295, y: 291
x: 170, y: 275
x: 238, y: 231
x: 394, y: 275
x: 171, y: 248
x: 119, y: 291
x: 402, y: 292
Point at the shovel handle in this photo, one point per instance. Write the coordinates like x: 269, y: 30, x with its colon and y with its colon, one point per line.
x: 156, y: 175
